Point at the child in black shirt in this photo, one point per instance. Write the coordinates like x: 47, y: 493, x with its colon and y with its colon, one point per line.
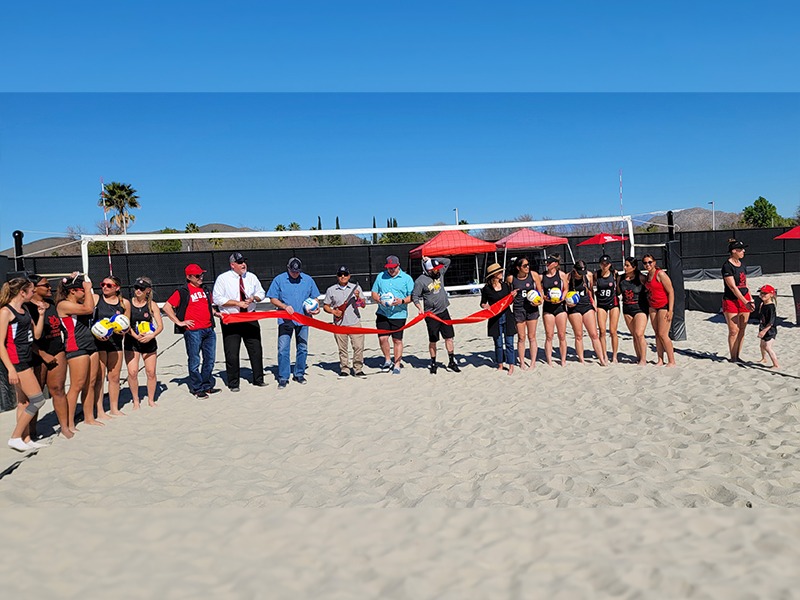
x: 766, y: 328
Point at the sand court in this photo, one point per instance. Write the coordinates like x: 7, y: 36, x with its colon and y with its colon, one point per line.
x: 706, y: 435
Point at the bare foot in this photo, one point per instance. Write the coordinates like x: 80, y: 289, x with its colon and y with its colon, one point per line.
x: 117, y: 413
x: 151, y: 404
x: 105, y: 416
x: 510, y: 369
x: 614, y: 361
x: 95, y: 423
x: 775, y: 366
x: 659, y: 363
x: 549, y: 363
x: 763, y: 361
x: 73, y: 429
x: 135, y: 405
x: 66, y: 433
x: 671, y: 365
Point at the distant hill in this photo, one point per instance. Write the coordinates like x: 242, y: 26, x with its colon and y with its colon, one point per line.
x: 691, y: 219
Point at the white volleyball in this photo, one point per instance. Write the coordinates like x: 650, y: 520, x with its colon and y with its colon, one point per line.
x: 387, y: 298
x: 311, y: 305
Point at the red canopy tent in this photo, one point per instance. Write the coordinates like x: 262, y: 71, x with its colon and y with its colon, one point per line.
x: 452, y: 243
x: 601, y: 239
x: 528, y: 238
x: 792, y: 234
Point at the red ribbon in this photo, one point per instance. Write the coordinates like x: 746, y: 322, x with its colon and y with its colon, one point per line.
x: 482, y: 315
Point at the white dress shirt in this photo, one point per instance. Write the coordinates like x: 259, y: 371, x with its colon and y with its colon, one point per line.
x: 226, y: 288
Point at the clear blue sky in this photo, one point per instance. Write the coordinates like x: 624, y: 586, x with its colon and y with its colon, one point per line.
x: 413, y: 45
x: 497, y: 109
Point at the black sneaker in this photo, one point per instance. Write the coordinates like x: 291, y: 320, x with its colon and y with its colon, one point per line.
x: 300, y: 380
x: 344, y: 375
x: 234, y: 389
x: 282, y: 385
x: 360, y: 375
x: 433, y: 368
x: 213, y: 391
x: 453, y: 367
x: 261, y: 384
x: 201, y: 395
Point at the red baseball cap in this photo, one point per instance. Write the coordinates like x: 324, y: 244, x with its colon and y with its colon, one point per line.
x: 767, y: 289
x: 193, y: 269
x: 392, y: 261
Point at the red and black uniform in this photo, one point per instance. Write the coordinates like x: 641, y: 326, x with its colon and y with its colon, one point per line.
x: 549, y: 282
x: 19, y: 339
x: 140, y: 315
x: 730, y: 303
x: 634, y: 301
x: 607, y: 294
x: 524, y: 309
x: 657, y: 296
x: 192, y: 306
x: 584, y: 305
x: 78, y: 339
x: 52, y: 340
x: 104, y: 310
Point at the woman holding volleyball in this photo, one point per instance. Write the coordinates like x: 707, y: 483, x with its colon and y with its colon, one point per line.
x: 581, y: 311
x: 110, y: 303
x: 529, y: 296
x: 607, y: 298
x: 554, y: 312
x: 146, y: 324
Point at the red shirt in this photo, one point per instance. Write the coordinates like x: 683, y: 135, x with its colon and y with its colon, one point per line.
x: 197, y: 310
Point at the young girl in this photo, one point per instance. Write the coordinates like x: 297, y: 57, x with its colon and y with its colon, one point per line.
x: 50, y: 361
x: 110, y: 303
x: 16, y: 352
x: 634, y: 306
x: 143, y: 310
x: 583, y: 315
x: 75, y: 305
x: 607, y: 298
x: 554, y: 312
x: 526, y: 313
x: 661, y: 299
x: 766, y: 327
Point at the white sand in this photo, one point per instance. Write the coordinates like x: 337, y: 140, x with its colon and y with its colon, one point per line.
x: 707, y: 434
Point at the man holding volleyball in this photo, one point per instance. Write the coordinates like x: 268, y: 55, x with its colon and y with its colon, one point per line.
x: 288, y: 291
x: 429, y: 295
x: 392, y: 290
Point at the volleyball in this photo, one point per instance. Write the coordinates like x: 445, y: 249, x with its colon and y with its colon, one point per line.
x: 145, y: 327
x: 554, y: 295
x: 102, y: 329
x: 387, y: 298
x: 534, y: 297
x: 119, y: 323
x: 573, y: 298
x: 310, y: 305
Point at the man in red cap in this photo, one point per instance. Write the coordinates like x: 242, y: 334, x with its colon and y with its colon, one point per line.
x: 190, y: 309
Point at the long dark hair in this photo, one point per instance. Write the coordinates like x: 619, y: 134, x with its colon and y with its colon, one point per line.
x: 637, y: 274
x: 518, y: 264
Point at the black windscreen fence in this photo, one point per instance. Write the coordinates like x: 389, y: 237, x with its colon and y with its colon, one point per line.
x: 698, y: 250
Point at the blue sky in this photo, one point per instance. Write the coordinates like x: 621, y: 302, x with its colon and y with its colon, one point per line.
x: 258, y: 113
x: 263, y: 159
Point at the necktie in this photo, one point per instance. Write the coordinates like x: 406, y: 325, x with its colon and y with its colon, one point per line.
x: 242, y: 296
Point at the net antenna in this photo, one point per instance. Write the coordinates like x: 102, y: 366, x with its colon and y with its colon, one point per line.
x: 491, y: 231
x: 105, y: 221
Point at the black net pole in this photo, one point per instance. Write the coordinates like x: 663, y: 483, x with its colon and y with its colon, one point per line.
x: 674, y: 264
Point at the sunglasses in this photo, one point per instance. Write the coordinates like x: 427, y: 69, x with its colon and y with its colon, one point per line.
x: 139, y: 288
x: 200, y: 276
x: 648, y: 262
x: 44, y: 285
x: 108, y: 285
x: 240, y: 262
x: 343, y: 274
x: 525, y: 266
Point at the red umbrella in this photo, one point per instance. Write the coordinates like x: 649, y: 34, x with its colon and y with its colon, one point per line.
x: 792, y: 234
x: 603, y: 239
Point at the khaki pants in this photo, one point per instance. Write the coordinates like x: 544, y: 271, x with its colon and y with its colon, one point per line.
x: 357, y: 341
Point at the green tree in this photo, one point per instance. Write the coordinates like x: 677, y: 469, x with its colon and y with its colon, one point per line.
x: 294, y: 226
x: 335, y: 240
x: 166, y: 245
x: 120, y: 198
x: 216, y: 242
x: 375, y: 235
x: 191, y: 228
x: 762, y: 213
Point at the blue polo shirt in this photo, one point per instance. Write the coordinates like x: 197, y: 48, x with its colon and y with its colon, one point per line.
x: 401, y: 285
x: 293, y: 291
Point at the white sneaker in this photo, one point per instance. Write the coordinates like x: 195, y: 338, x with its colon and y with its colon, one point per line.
x: 34, y: 445
x: 19, y: 445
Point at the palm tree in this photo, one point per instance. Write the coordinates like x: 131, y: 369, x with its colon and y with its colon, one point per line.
x: 120, y: 197
x: 191, y: 228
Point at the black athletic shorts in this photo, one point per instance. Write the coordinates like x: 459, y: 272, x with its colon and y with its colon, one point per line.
x: 80, y: 352
x: 553, y: 309
x: 112, y: 344
x: 133, y: 345
x: 390, y: 326
x: 526, y: 312
x: 437, y: 327
x: 632, y: 310
x: 580, y: 309
x: 23, y: 365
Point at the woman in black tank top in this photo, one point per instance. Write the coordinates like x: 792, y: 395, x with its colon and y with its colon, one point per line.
x: 75, y: 305
x: 608, y: 310
x: 631, y: 287
x: 16, y: 342
x: 526, y: 312
x: 145, y: 311
x: 110, y: 303
x: 51, y: 368
x: 583, y: 315
x: 554, y: 312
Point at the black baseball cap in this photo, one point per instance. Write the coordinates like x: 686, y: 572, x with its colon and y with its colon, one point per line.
x: 142, y: 283
x: 604, y: 259
x: 343, y: 270
x: 237, y: 257
x: 736, y: 245
x: 295, y: 264
x: 552, y: 259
